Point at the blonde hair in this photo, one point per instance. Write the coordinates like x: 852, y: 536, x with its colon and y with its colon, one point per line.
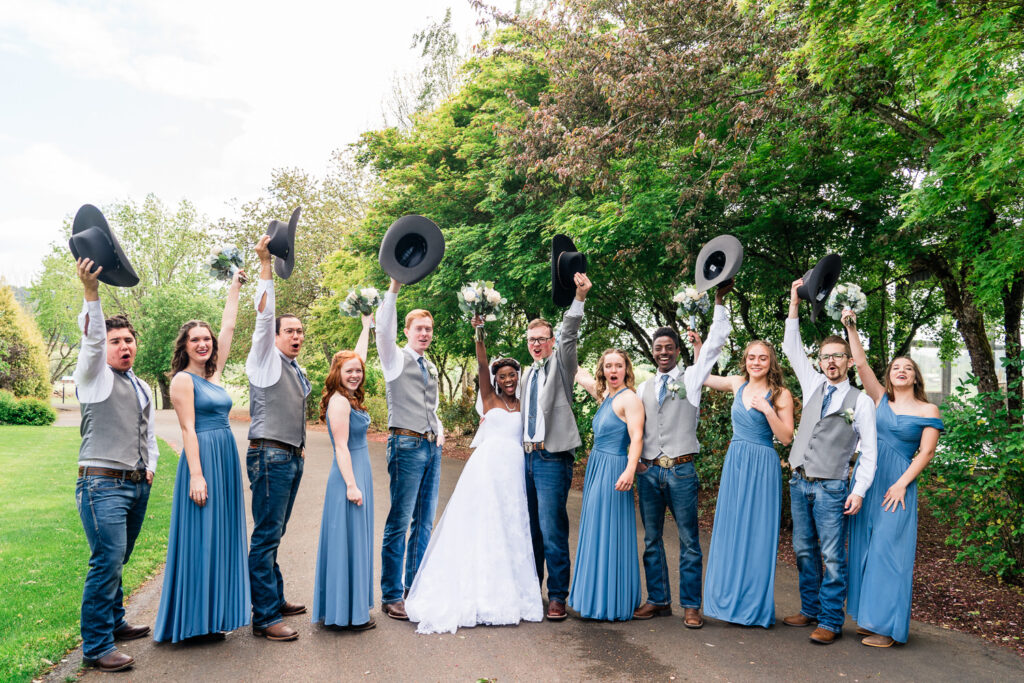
x: 417, y: 313
x: 602, y: 382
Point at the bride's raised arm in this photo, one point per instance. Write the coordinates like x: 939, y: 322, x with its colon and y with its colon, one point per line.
x: 483, y: 366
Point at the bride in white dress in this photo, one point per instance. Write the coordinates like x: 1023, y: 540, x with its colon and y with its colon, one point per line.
x: 479, y: 566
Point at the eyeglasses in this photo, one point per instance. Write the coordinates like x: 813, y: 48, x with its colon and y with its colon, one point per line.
x: 534, y: 341
x: 825, y: 357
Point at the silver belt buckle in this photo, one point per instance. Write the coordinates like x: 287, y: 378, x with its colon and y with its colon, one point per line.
x: 664, y: 461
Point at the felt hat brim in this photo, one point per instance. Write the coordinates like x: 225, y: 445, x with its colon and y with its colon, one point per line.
x: 411, y: 249
x: 93, y: 238
x: 818, y: 283
x: 565, y: 263
x: 718, y: 262
x: 282, y: 244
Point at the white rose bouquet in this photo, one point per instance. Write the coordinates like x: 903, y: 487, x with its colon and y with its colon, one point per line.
x: 691, y: 302
x: 360, y: 301
x: 224, y: 261
x: 846, y: 295
x: 480, y: 298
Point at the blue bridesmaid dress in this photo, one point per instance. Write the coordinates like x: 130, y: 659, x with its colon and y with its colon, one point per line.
x: 883, y: 544
x: 343, y: 582
x: 206, y: 580
x: 606, y: 584
x: 740, y: 582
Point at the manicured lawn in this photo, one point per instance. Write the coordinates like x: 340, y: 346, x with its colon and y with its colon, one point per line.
x: 43, y: 552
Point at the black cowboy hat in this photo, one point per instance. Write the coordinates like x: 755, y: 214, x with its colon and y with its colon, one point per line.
x: 718, y: 261
x: 818, y: 283
x: 92, y: 238
x: 565, y: 263
x: 411, y: 249
x: 282, y: 244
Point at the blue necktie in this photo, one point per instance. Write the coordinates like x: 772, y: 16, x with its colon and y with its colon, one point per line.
x: 663, y: 389
x: 828, y: 399
x: 531, y: 420
x: 423, y: 371
x: 303, y: 382
x: 139, y: 393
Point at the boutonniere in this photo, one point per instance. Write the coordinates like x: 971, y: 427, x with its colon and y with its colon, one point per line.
x: 848, y: 416
x: 432, y: 371
x: 540, y: 363
x: 675, y: 389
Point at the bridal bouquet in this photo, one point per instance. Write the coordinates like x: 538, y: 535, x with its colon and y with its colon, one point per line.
x: 846, y: 295
x: 360, y: 301
x: 482, y: 299
x: 224, y: 261
x: 691, y: 302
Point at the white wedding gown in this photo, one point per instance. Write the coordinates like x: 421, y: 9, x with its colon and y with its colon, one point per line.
x: 479, y: 566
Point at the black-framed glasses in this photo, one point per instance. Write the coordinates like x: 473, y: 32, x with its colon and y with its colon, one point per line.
x: 533, y: 341
x: 825, y: 357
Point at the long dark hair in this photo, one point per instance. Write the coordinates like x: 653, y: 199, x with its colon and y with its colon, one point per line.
x: 179, y: 360
x: 333, y: 383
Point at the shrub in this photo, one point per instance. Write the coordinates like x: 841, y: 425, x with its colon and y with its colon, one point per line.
x: 976, y: 481
x: 7, y: 401
x: 24, y: 368
x: 459, y: 416
x: 31, y: 411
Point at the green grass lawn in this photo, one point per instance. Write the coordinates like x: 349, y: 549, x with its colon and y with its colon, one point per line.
x: 44, y: 555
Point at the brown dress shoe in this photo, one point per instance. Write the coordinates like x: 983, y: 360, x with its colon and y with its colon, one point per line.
x: 798, y: 620
x: 129, y: 632
x: 823, y: 636
x: 290, y: 609
x: 864, y: 632
x: 876, y: 640
x: 115, y: 661
x: 395, y: 610
x: 692, y: 618
x: 556, y: 611
x: 649, y: 611
x: 278, y: 631
x: 362, y: 627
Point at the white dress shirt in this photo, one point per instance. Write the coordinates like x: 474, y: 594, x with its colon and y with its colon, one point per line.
x: 863, y: 413
x: 94, y: 380
x: 576, y: 310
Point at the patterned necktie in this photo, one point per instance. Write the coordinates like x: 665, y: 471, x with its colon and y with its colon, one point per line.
x: 663, y: 389
x: 303, y: 382
x: 828, y: 399
x: 531, y: 420
x: 423, y: 371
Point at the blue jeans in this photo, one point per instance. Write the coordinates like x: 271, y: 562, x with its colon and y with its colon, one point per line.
x: 676, y: 489
x: 548, y: 477
x: 819, y: 535
x: 414, y: 466
x: 274, y: 476
x: 112, y: 511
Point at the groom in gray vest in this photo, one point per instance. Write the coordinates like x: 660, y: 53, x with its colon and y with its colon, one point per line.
x: 666, y: 475
x: 116, y: 463
x: 278, y: 391
x: 835, y: 417
x: 550, y: 438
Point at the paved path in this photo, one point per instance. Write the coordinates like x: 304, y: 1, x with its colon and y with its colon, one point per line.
x: 659, y: 649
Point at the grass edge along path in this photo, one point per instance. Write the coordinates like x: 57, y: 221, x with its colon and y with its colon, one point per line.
x: 44, y: 554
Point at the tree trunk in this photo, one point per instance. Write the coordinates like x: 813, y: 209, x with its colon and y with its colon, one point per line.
x: 165, y: 391
x: 1013, y: 306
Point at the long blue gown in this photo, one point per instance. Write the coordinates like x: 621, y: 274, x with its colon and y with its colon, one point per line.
x: 206, y: 581
x: 883, y: 544
x: 343, y: 583
x: 606, y: 584
x: 740, y: 582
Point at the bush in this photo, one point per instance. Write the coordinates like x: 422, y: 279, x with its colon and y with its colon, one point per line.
x: 975, y: 483
x: 459, y: 416
x: 25, y: 411
x: 24, y: 367
x: 7, y: 401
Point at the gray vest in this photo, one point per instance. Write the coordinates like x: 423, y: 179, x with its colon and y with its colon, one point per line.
x: 116, y: 429
x: 671, y: 428
x: 278, y: 412
x: 824, y: 446
x: 410, y: 402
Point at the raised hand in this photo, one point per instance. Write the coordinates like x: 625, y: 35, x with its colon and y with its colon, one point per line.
x: 583, y: 285
x: 88, y: 276
x: 239, y: 279
x: 849, y: 319
x: 722, y: 290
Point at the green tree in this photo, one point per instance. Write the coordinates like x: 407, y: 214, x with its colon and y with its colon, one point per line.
x: 23, y: 367
x: 55, y: 298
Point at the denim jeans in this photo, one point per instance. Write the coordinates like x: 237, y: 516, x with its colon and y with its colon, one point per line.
x: 819, y: 535
x: 676, y: 489
x: 548, y: 477
x: 414, y: 467
x: 274, y: 476
x: 112, y: 511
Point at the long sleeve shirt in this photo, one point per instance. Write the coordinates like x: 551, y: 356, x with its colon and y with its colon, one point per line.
x: 575, y: 310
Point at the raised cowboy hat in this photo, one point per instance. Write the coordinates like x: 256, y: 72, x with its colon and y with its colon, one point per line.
x: 282, y: 244
x: 411, y: 249
x: 92, y: 238
x: 718, y: 262
x: 818, y: 283
x: 565, y: 263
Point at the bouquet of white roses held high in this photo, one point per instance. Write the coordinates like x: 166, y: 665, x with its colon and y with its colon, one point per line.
x: 846, y: 295
x: 691, y: 302
x: 361, y: 301
x: 224, y: 261
x: 480, y: 298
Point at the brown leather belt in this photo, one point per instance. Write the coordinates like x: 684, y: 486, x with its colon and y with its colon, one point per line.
x: 131, y: 475
x: 270, y: 443
x: 666, y: 462
x: 398, y: 431
x: 531, y: 446
x: 800, y: 470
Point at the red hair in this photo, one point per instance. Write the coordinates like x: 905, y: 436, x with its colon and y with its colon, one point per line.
x: 333, y: 383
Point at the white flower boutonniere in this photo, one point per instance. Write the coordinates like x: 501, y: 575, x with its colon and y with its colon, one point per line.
x: 540, y: 363
x: 675, y: 389
x: 848, y: 416
x: 432, y: 371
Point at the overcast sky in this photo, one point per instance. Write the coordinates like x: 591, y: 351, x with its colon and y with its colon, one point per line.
x: 108, y: 100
